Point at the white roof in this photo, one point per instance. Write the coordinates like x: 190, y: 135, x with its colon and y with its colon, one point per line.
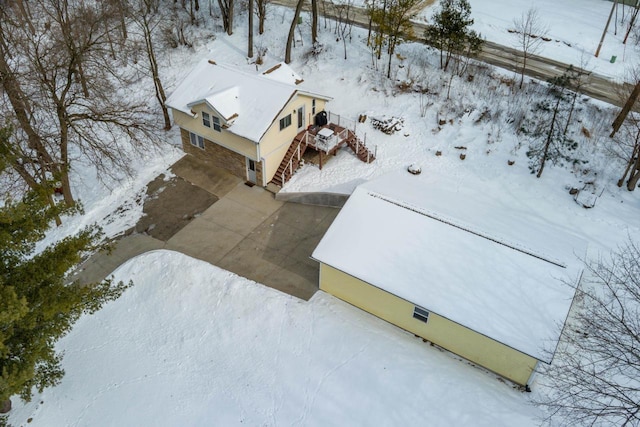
x: 248, y: 103
x: 482, y: 264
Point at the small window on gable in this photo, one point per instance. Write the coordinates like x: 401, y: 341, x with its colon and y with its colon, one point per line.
x: 313, y: 107
x: 421, y: 314
x: 196, y: 140
x: 206, y: 119
x: 285, y: 122
x: 216, y: 124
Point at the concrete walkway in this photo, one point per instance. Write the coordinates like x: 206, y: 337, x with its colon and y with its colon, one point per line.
x: 245, y: 230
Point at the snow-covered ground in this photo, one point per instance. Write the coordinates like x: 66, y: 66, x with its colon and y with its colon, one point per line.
x: 190, y: 344
x: 195, y: 345
x: 574, y: 27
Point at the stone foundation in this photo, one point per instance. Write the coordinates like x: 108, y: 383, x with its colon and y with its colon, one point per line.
x: 221, y: 157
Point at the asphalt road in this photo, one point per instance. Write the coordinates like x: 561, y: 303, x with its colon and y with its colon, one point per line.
x: 595, y: 85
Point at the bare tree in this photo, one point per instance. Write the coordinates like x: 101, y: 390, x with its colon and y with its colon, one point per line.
x: 47, y: 94
x: 226, y: 10
x: 626, y: 147
x: 529, y: 31
x: 147, y: 20
x: 632, y: 21
x: 632, y: 169
x: 261, y: 11
x: 314, y: 21
x: 344, y: 22
x: 33, y: 162
x: 595, y: 375
x: 292, y: 29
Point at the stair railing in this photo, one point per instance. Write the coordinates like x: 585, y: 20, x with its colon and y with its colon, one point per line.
x: 296, y: 151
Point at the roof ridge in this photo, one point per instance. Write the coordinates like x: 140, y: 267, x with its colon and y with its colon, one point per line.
x: 258, y: 76
x: 457, y: 224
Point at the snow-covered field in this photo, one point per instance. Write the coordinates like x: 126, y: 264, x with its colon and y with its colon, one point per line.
x: 191, y: 344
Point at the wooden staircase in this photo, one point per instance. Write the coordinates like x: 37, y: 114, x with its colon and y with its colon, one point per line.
x: 291, y: 161
x: 359, y: 148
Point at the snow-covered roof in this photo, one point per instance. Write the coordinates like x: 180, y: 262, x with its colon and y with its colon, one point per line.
x: 283, y: 73
x: 248, y: 103
x: 469, y: 259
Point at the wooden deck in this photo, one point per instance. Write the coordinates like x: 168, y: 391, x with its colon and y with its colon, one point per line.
x: 326, y: 140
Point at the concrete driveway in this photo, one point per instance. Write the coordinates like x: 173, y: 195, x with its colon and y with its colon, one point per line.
x: 211, y: 215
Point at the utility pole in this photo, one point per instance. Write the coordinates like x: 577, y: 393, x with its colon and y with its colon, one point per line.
x: 604, y: 33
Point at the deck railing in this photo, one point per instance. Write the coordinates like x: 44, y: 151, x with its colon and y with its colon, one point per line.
x: 327, y: 145
x: 351, y: 125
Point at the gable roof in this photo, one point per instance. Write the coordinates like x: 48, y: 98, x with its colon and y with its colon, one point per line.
x: 247, y: 103
x: 462, y: 258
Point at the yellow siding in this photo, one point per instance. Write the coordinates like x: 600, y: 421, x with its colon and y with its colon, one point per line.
x: 456, y: 338
x: 275, y: 142
x: 224, y: 138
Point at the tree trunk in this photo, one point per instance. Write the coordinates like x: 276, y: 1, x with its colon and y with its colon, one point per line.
x: 230, y: 18
x: 635, y: 175
x: 383, y: 19
x: 26, y: 16
x: 83, y: 79
x: 524, y: 68
x: 573, y: 106
x: 123, y: 23
x: 636, y: 151
x: 631, y: 22
x: 314, y: 21
x: 261, y: 18
x: 64, y: 160
x: 226, y: 9
x: 390, y: 51
x: 250, y: 36
x: 5, y: 406
x: 22, y: 110
x: 625, y: 110
x: 549, y: 139
x: 153, y: 65
x: 292, y: 29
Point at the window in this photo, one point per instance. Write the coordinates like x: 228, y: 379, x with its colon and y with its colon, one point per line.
x: 285, y: 122
x: 206, y: 119
x: 196, y: 140
x: 216, y: 124
x: 313, y: 107
x: 421, y: 314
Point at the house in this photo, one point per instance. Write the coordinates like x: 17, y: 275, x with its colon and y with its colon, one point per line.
x: 462, y: 272
x: 247, y: 123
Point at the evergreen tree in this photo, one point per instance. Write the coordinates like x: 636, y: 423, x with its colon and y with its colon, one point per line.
x: 37, y: 306
x: 450, y: 32
x: 558, y: 147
